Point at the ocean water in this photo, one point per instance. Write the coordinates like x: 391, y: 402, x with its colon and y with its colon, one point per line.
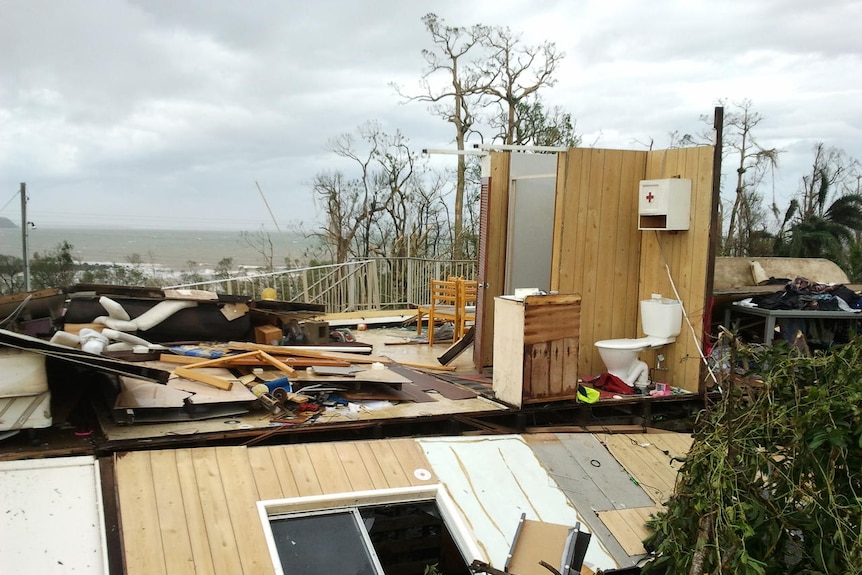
x: 172, y: 249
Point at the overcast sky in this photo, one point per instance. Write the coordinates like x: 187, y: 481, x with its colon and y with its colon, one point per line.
x: 164, y: 113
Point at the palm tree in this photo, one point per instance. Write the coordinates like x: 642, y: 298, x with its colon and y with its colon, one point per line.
x: 816, y: 230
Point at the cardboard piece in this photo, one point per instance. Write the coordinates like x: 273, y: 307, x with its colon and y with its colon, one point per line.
x: 556, y: 545
x: 268, y: 334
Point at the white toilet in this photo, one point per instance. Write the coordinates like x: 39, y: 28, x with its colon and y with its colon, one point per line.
x: 661, y: 319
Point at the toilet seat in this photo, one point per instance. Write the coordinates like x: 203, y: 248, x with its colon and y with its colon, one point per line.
x: 633, y: 344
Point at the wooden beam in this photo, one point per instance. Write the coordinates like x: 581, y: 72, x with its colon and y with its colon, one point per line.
x: 300, y: 351
x: 213, y: 380
x: 188, y: 371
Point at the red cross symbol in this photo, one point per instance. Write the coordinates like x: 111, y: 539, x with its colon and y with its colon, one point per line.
x: 650, y: 197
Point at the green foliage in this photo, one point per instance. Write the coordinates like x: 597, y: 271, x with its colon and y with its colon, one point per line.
x: 115, y: 274
x: 53, y: 269
x: 772, y: 484
x: 11, y: 274
x: 540, y: 126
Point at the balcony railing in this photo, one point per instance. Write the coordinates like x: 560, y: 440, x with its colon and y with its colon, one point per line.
x: 371, y: 284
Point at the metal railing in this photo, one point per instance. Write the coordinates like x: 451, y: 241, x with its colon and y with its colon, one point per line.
x: 372, y: 284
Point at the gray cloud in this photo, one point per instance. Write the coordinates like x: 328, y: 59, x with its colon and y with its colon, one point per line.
x: 145, y: 111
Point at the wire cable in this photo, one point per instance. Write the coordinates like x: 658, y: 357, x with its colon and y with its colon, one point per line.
x: 10, y: 200
x: 697, y: 343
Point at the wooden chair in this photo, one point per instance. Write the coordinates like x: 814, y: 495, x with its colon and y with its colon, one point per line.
x: 443, y: 306
x: 468, y: 293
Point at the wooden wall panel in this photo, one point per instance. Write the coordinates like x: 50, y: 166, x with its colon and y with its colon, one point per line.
x: 596, y: 250
x: 600, y: 254
x: 195, y: 510
x: 686, y: 254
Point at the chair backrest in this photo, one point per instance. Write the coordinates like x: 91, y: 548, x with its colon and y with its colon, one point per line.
x: 469, y: 292
x: 444, y: 292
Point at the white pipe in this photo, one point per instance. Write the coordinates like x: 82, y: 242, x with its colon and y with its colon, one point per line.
x: 160, y: 312
x: 116, y: 324
x: 517, y: 148
x: 115, y: 310
x: 126, y: 337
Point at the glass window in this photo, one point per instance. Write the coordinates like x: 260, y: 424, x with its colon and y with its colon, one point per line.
x: 324, y: 543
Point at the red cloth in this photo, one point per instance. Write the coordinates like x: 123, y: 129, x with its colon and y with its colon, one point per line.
x: 612, y: 384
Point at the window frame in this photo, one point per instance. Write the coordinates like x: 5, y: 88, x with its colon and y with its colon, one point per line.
x: 274, y: 509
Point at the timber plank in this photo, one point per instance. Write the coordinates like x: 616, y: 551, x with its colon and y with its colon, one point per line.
x: 372, y: 465
x: 389, y: 464
x: 216, y: 513
x: 412, y: 459
x: 351, y: 460
x: 265, y: 475
x: 172, y: 517
x: 330, y: 471
x: 194, y: 513
x: 241, y: 496
x: 591, y: 256
x: 142, y: 541
x: 629, y: 528
x: 655, y: 475
x: 286, y: 480
x: 676, y: 444
x: 540, y: 365
x: 626, y: 258
x: 608, y: 302
x: 570, y: 366
x: 556, y: 367
x: 302, y: 466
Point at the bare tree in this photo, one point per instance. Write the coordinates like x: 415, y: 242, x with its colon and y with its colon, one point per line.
x: 261, y: 242
x: 356, y: 208
x: 753, y: 162
x: 455, y: 58
x: 514, y: 73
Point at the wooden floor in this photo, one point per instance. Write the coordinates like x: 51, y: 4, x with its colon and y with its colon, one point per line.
x: 194, y: 510
x: 649, y: 458
x: 621, y: 478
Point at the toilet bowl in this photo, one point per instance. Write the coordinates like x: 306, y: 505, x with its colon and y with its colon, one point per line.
x: 661, y: 319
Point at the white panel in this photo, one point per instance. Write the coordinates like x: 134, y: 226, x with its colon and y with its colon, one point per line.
x: 531, y: 233
x: 492, y: 481
x: 52, y: 517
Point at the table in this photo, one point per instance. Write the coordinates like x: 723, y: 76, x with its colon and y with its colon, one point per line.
x: 772, y: 316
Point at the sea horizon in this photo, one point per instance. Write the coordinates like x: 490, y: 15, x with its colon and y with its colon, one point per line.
x: 169, y: 248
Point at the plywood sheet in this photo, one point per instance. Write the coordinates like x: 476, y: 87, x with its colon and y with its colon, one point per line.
x: 600, y: 254
x: 628, y: 526
x: 649, y: 458
x: 194, y: 510
x: 589, y: 474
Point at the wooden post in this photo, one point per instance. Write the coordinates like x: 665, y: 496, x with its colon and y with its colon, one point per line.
x: 373, y: 285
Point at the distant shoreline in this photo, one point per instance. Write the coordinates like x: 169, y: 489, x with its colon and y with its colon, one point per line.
x: 172, y: 249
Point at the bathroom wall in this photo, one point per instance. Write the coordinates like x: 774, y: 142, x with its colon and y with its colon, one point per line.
x: 600, y: 254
